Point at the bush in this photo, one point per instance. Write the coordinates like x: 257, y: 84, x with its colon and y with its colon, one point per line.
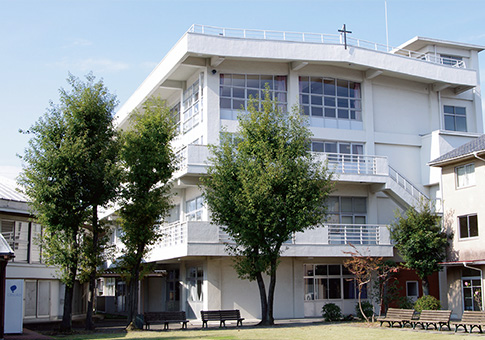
x: 405, y: 302
x: 367, y: 308
x: 331, y: 312
x: 427, y: 302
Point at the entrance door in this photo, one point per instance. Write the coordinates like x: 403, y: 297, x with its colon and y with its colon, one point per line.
x: 195, y: 298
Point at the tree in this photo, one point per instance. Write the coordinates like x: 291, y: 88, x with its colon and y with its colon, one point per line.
x: 420, y: 241
x: 263, y: 185
x: 149, y: 162
x: 362, y: 267
x: 386, y: 289
x: 70, y: 170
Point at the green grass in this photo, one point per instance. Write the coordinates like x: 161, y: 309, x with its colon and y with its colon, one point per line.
x: 348, y: 331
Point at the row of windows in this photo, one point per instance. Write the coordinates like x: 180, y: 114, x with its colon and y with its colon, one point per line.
x: 24, y: 239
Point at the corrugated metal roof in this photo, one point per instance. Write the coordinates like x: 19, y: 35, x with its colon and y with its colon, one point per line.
x: 476, y: 145
x: 8, y: 190
x: 5, y: 249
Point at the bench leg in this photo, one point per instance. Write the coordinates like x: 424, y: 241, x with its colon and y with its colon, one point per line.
x: 184, y: 325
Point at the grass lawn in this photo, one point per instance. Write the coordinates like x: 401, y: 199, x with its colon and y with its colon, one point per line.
x: 348, y: 331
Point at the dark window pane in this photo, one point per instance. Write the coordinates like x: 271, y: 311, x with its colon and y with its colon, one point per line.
x: 316, y: 86
x: 253, y: 81
x: 460, y: 123
x: 317, y: 146
x: 238, y: 104
x: 266, y: 80
x: 449, y: 109
x: 330, y: 101
x: 322, y: 289
x: 343, y: 114
x: 238, y: 80
x: 334, y: 289
x: 317, y: 111
x: 449, y: 123
x: 321, y: 269
x: 308, y: 270
x: 342, y: 88
x: 460, y: 111
x: 280, y: 83
x: 342, y: 102
x: 238, y: 92
x: 226, y: 79
x: 334, y: 269
x: 252, y: 93
x: 463, y: 226
x: 225, y: 91
x: 304, y: 99
x: 306, y: 110
x: 349, y: 289
x: 225, y: 103
x: 473, y: 225
x: 329, y: 113
x: 331, y: 148
x: 316, y: 100
x: 329, y: 86
x: 304, y: 87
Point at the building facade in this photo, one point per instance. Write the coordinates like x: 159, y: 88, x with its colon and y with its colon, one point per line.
x: 43, y: 293
x: 463, y: 187
x: 378, y: 115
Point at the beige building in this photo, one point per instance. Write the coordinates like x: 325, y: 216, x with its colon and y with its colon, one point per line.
x: 463, y: 188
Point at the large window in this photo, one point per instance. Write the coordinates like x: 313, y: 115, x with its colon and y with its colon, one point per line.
x: 194, y: 209
x: 331, y: 102
x: 195, y: 281
x: 455, y: 118
x: 465, y: 175
x: 330, y: 281
x: 236, y: 90
x: 347, y: 210
x: 192, y: 104
x: 175, y: 111
x: 468, y: 226
x: 24, y: 239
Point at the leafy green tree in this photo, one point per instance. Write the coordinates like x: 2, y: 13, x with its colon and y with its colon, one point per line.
x: 149, y: 162
x: 262, y: 187
x: 420, y: 241
x: 70, y: 169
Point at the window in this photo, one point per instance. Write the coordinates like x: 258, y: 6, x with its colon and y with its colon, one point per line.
x: 195, y: 281
x: 172, y: 297
x: 236, y: 89
x: 329, y: 281
x: 468, y: 226
x: 451, y: 60
x: 173, y: 214
x: 192, y: 104
x: 412, y: 290
x: 332, y: 99
x: 175, y: 112
x: 455, y: 118
x: 194, y: 209
x: 472, y: 293
x: 347, y: 210
x: 23, y: 237
x: 465, y: 175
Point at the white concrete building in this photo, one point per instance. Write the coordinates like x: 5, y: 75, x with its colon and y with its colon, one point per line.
x: 43, y: 293
x: 378, y: 115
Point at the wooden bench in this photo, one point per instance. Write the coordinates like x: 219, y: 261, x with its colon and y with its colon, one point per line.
x: 437, y: 318
x: 222, y: 316
x: 397, y: 316
x: 473, y: 319
x: 165, y: 318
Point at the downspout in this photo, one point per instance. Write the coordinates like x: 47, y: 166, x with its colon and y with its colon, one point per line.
x: 475, y: 153
x: 481, y: 280
x: 440, y: 111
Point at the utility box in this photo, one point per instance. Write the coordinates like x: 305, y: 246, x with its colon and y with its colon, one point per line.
x: 14, y: 297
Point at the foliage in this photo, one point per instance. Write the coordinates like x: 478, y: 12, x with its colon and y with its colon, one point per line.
x: 386, y: 288
x: 405, y: 302
x: 149, y: 162
x: 364, y: 310
x: 427, y: 302
x: 362, y: 267
x: 420, y: 240
x: 70, y: 168
x: 263, y: 187
x: 331, y: 312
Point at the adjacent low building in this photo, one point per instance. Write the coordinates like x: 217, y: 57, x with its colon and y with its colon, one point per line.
x: 378, y: 115
x: 463, y: 187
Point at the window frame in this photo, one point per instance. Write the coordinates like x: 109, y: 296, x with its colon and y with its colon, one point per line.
x: 459, y: 227
x: 455, y: 116
x: 469, y: 175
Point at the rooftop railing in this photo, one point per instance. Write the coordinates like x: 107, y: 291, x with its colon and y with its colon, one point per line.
x: 319, y: 38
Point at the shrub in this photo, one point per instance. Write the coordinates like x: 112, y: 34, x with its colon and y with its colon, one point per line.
x: 331, y: 312
x: 367, y: 308
x: 405, y: 302
x: 427, y: 302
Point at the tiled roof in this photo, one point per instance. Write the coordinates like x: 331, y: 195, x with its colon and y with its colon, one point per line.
x: 469, y: 148
x: 8, y: 190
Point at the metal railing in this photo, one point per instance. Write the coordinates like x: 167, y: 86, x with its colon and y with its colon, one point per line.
x: 173, y: 234
x: 404, y: 183
x: 363, y: 234
x: 335, y: 39
x: 352, y: 164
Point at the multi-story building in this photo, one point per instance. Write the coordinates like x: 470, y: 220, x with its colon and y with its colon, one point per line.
x: 378, y: 115
x: 463, y: 186
x: 43, y: 292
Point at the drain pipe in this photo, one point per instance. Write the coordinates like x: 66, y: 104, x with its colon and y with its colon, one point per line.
x: 481, y: 279
x: 475, y: 153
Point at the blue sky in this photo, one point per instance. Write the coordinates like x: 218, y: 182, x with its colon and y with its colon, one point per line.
x: 121, y: 41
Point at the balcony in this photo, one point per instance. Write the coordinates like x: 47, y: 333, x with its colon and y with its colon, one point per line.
x: 200, y: 238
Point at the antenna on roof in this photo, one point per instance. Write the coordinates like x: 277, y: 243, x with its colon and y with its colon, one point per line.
x: 387, y: 29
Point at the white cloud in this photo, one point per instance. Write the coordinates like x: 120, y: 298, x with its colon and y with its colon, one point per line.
x: 79, y: 42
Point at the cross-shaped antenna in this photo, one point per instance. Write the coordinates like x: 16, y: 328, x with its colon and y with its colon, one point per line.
x: 344, y: 31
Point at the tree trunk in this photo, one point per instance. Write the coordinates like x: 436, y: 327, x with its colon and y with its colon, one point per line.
x: 360, y: 305
x: 425, y: 286
x: 264, y: 301
x: 272, y: 286
x: 133, y: 287
x: 66, y: 323
x: 92, y: 277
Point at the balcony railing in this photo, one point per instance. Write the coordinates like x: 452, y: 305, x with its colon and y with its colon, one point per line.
x: 354, y: 164
x: 352, y: 233
x: 334, y: 39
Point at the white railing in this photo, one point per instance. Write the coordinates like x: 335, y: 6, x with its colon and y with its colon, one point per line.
x: 321, y: 39
x: 353, y: 164
x: 174, y: 234
x: 406, y: 185
x: 363, y: 234
x: 192, y: 154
